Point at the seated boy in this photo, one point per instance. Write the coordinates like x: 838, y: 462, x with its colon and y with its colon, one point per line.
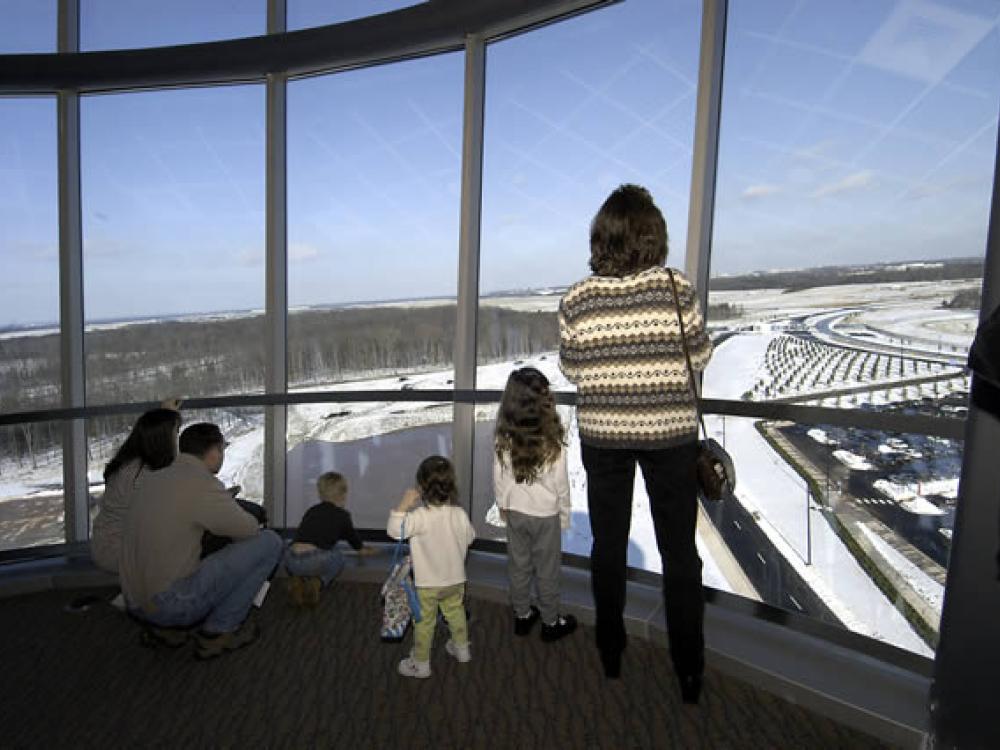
x: 312, y: 560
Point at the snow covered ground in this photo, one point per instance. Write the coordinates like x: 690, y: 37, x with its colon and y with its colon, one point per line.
x: 768, y: 486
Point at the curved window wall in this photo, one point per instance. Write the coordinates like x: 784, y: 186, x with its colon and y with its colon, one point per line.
x: 845, y: 525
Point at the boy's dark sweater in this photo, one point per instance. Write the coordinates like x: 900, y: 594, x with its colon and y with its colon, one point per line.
x: 324, y: 524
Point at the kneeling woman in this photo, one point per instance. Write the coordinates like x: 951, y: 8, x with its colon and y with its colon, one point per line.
x: 151, y: 445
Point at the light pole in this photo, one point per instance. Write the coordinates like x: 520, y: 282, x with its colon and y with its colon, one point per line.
x: 809, y: 546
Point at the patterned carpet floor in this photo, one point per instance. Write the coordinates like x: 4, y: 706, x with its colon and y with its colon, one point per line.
x: 321, y: 678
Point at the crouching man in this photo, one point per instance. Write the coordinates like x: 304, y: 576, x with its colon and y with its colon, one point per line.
x: 164, y: 581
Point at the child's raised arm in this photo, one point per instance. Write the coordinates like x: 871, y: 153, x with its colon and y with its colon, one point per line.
x: 410, y: 500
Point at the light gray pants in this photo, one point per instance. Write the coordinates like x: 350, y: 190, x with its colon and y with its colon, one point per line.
x: 534, y: 551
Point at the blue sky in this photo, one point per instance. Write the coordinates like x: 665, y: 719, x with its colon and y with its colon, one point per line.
x: 852, y: 132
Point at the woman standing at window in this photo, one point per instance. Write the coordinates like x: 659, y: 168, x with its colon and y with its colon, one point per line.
x: 620, y: 342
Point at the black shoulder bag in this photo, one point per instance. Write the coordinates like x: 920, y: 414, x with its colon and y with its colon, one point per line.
x: 714, y: 466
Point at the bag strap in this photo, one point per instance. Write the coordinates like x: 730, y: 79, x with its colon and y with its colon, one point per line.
x: 687, y: 354
x: 399, y: 544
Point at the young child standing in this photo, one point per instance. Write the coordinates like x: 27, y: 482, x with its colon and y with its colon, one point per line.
x: 312, y: 559
x: 532, y: 491
x: 440, y: 534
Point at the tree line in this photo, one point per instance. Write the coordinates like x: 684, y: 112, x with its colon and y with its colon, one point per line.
x: 808, y: 278
x: 147, y: 361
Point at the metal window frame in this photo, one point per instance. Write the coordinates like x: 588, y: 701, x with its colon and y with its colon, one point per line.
x: 276, y: 277
x: 467, y: 305
x: 705, y: 157
x: 76, y: 513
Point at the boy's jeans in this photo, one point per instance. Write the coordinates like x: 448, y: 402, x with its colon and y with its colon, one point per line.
x: 324, y: 564
x: 450, y: 599
x: 222, y: 589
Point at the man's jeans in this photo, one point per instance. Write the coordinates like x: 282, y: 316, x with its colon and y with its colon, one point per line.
x: 324, y: 564
x: 222, y: 589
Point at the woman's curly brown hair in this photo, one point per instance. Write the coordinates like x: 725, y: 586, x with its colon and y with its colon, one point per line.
x: 529, y: 435
x: 628, y: 235
x: 436, y: 481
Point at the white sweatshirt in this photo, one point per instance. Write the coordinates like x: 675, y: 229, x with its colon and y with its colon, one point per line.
x: 546, y: 496
x: 439, y: 537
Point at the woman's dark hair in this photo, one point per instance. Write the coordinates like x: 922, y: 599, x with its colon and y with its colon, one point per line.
x: 628, y: 235
x: 528, y: 433
x: 436, y: 481
x: 152, y: 441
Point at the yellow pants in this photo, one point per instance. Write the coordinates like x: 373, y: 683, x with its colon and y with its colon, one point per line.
x: 451, y: 600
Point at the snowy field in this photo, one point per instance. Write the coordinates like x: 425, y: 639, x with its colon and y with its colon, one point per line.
x: 769, y: 487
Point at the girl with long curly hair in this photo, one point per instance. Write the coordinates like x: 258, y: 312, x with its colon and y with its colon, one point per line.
x: 532, y: 491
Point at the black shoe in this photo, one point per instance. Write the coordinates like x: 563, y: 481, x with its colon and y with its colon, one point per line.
x: 523, y: 625
x: 612, y: 663
x: 690, y: 688
x: 563, y: 626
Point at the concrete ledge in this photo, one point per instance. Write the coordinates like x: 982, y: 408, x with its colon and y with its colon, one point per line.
x: 851, y: 688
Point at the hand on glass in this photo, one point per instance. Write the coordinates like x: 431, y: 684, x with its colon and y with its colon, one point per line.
x: 411, y: 499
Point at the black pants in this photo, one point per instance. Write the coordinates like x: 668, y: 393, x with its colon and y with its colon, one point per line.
x: 669, y: 474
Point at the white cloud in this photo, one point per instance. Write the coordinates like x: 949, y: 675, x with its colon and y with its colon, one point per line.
x: 752, y: 192
x: 302, y: 251
x: 855, y: 181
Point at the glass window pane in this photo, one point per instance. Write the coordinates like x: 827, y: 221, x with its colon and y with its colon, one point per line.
x: 373, y: 205
x: 173, y: 228
x: 572, y: 111
x: 376, y: 446
x: 304, y: 14
x: 850, y: 526
x: 855, y: 170
x: 31, y: 480
x: 27, y: 26
x: 29, y: 252
x: 128, y: 24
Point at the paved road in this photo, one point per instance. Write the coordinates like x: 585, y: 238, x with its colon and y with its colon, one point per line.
x: 774, y: 578
x: 822, y: 330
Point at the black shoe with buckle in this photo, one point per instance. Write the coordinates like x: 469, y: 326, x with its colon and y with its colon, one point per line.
x: 563, y: 626
x: 523, y: 625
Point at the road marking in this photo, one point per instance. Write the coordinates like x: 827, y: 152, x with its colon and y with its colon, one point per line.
x: 737, y: 525
x: 795, y: 602
x: 761, y: 558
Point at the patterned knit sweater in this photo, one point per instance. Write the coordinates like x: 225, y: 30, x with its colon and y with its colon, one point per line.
x: 620, y: 343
